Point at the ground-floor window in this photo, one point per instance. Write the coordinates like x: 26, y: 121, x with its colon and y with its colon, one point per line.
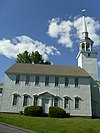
x: 15, y: 99
x: 55, y: 101
x: 25, y: 100
x: 77, y: 103
x: 35, y: 100
x: 66, y: 103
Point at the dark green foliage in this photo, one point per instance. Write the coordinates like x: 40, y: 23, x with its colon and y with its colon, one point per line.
x: 34, y: 57
x: 67, y: 115
x: 57, y: 112
x: 33, y: 111
x: 24, y: 57
x: 21, y: 112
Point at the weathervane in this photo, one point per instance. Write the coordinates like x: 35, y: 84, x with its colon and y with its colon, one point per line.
x: 83, y: 11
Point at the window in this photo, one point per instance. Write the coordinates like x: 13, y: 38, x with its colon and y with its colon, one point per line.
x: 35, y: 100
x: 56, y: 81
x: 88, y: 54
x: 66, y: 102
x: 1, y: 90
x: 25, y: 101
x: 77, y: 103
x: 55, y: 101
x: 37, y: 80
x: 76, y: 82
x: 66, y: 82
x: 17, y: 79
x: 15, y: 99
x: 46, y: 81
x: 27, y: 79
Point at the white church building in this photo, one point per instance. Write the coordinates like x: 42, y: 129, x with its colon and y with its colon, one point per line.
x: 69, y: 87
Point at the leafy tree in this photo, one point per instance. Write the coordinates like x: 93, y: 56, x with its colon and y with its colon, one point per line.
x: 24, y: 57
x: 34, y: 57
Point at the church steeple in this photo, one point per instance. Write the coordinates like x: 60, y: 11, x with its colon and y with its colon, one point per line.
x: 87, y: 58
x: 85, y: 43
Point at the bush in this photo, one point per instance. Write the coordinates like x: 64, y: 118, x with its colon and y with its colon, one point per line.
x: 33, y: 111
x: 57, y: 112
x: 21, y: 112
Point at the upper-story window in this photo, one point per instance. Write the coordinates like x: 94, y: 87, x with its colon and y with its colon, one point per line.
x: 76, y: 82
x: 27, y: 79
x: 1, y: 90
x: 66, y: 81
x: 56, y: 81
x: 88, y: 54
x: 46, y: 81
x: 17, y: 79
x: 37, y: 80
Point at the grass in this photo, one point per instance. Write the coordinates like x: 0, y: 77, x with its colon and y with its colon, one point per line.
x: 53, y: 125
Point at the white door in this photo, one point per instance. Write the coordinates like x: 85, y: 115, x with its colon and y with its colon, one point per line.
x: 45, y: 105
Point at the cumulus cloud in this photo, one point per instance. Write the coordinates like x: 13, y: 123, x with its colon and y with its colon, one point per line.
x: 98, y: 63
x: 61, y: 30
x: 65, y: 31
x: 10, y: 48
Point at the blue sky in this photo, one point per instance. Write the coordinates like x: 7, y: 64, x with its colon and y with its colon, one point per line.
x: 53, y: 27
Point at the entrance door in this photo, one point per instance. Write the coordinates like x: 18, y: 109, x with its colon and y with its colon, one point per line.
x: 45, y: 105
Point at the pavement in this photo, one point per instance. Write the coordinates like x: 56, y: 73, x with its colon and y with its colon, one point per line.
x: 6, y: 128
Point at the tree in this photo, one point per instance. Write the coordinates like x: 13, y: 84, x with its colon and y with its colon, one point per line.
x: 34, y: 57
x: 24, y: 57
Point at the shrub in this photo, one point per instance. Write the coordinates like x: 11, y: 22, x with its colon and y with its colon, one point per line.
x: 33, y: 111
x: 67, y: 115
x: 21, y: 112
x: 57, y: 112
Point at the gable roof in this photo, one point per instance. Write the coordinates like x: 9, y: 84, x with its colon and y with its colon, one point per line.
x: 40, y: 69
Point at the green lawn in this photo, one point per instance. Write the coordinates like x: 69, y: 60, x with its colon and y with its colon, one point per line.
x: 53, y: 125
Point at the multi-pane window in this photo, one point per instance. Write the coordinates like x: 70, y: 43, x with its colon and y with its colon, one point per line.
x: 17, y: 79
x: 66, y: 102
x: 56, y: 81
x: 37, y: 80
x: 27, y: 79
x: 35, y: 100
x: 66, y: 82
x: 46, y: 81
x: 55, y: 101
x: 1, y: 90
x: 77, y: 102
x: 25, y: 100
x: 76, y: 82
x: 15, y: 99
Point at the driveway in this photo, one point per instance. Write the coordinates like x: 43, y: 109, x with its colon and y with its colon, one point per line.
x: 6, y: 128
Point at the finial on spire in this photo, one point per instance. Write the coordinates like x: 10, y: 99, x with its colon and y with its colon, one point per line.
x: 83, y: 11
x: 84, y: 24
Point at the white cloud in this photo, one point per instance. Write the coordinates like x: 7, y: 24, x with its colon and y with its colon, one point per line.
x: 64, y: 31
x: 61, y: 30
x: 20, y: 44
x: 98, y: 63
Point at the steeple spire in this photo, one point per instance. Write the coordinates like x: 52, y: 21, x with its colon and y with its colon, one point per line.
x: 84, y: 32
